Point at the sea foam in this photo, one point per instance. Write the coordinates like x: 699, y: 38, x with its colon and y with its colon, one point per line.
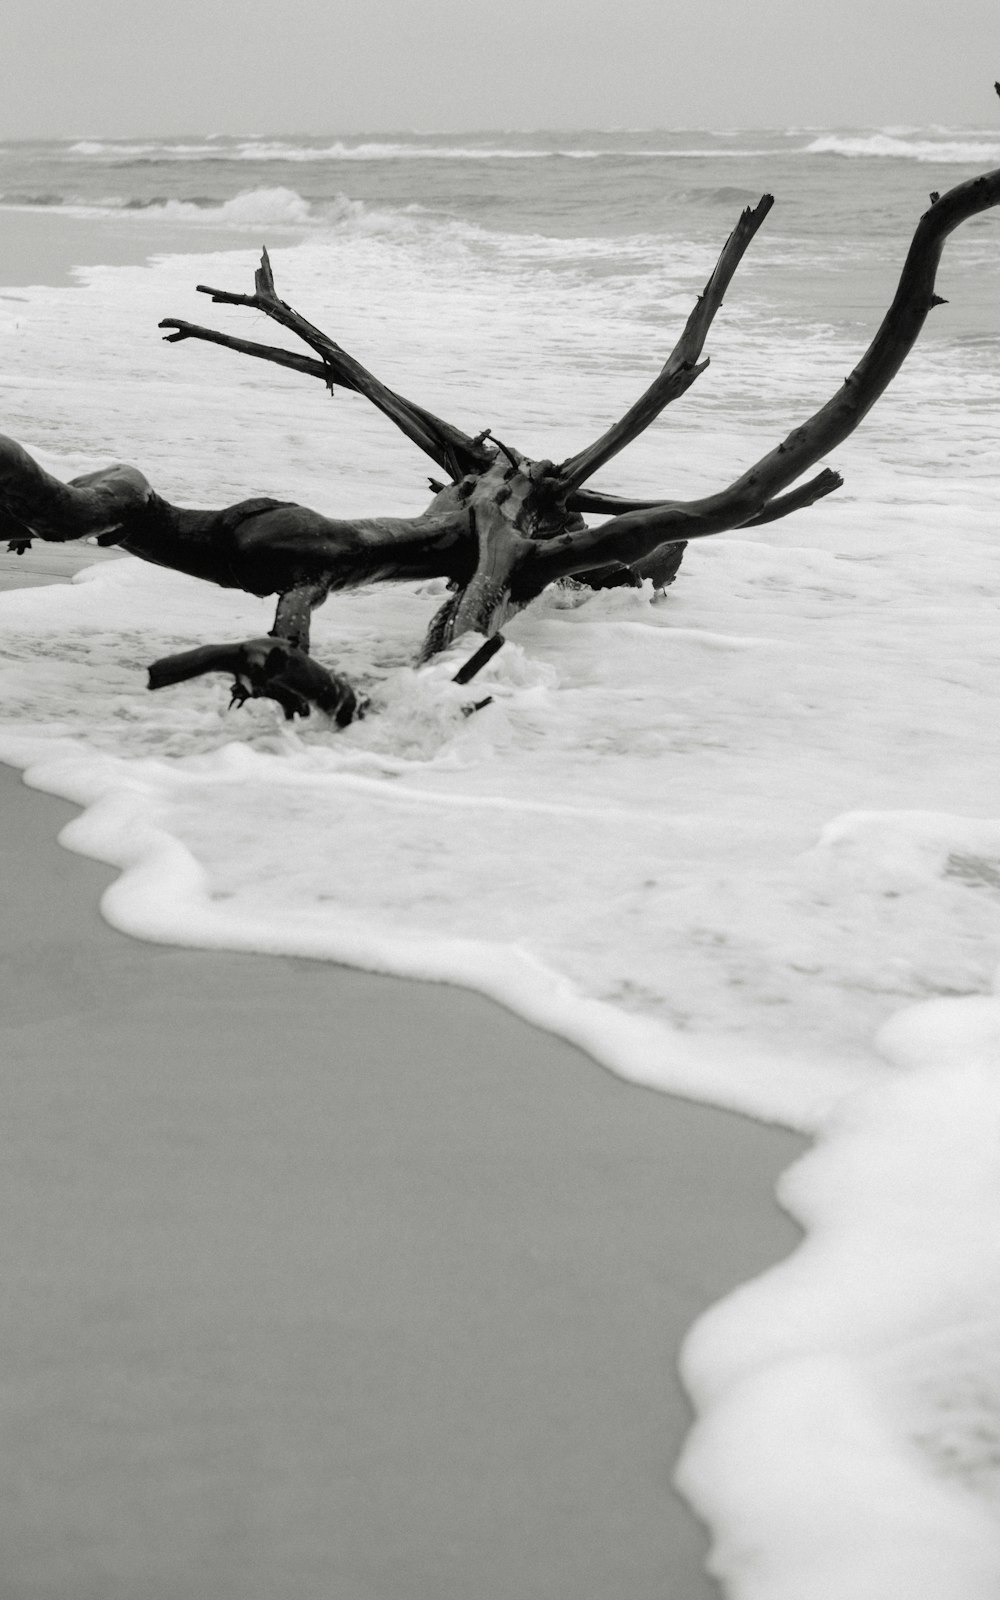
x: 966, y: 151
x: 741, y: 844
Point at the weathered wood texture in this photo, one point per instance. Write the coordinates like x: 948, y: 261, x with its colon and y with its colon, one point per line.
x: 501, y: 529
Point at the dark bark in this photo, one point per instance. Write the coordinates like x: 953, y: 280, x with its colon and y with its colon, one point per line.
x: 266, y: 669
x: 452, y: 449
x: 634, y: 535
x: 681, y: 367
x: 500, y: 531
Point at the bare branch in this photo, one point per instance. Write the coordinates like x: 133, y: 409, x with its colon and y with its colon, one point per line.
x: 249, y: 347
x: 315, y: 369
x: 636, y: 534
x: 681, y: 367
x: 612, y: 505
x: 617, y: 504
x: 452, y: 449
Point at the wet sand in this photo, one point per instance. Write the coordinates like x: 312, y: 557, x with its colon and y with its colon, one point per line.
x: 321, y: 1284
x: 46, y: 246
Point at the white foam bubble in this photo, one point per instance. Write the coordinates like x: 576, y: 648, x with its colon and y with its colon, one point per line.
x: 722, y: 841
x: 871, y: 1351
x: 971, y: 152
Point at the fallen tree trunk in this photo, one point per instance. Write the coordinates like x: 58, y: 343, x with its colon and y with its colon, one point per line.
x: 500, y: 529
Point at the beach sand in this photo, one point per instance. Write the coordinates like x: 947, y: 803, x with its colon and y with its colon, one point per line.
x: 326, y: 1285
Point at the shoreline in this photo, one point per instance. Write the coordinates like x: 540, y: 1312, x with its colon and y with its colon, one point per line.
x: 343, y: 1279
x: 50, y: 247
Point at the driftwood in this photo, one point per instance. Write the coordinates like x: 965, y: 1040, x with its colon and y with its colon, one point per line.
x: 500, y: 527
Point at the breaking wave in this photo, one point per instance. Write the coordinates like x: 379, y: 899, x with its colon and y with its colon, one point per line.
x: 273, y: 207
x: 906, y: 144
x: 279, y: 206
x: 337, y: 150
x: 888, y: 145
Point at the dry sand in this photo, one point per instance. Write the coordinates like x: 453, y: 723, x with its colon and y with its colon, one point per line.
x: 324, y: 1286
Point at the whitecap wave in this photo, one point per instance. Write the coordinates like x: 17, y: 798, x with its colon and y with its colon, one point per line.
x: 272, y: 150
x: 278, y: 206
x: 337, y: 150
x: 418, y: 152
x: 889, y: 145
x: 122, y: 151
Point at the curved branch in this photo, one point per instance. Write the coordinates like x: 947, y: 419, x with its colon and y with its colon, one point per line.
x: 448, y: 446
x: 636, y: 534
x: 681, y: 367
x: 661, y: 567
x: 617, y: 504
x: 49, y: 509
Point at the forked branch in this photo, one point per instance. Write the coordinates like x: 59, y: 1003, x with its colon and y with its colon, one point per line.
x: 824, y: 483
x: 682, y: 366
x: 456, y: 452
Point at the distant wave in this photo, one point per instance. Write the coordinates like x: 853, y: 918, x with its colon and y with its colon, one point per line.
x: 900, y: 143
x: 33, y: 202
x: 252, y: 206
x: 418, y: 152
x: 969, y: 151
x: 281, y: 150
x: 101, y: 147
x: 275, y: 207
x: 264, y: 150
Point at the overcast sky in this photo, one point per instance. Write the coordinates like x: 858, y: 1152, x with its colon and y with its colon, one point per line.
x: 123, y: 67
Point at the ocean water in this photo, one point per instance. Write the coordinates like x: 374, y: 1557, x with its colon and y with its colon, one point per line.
x: 742, y: 842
